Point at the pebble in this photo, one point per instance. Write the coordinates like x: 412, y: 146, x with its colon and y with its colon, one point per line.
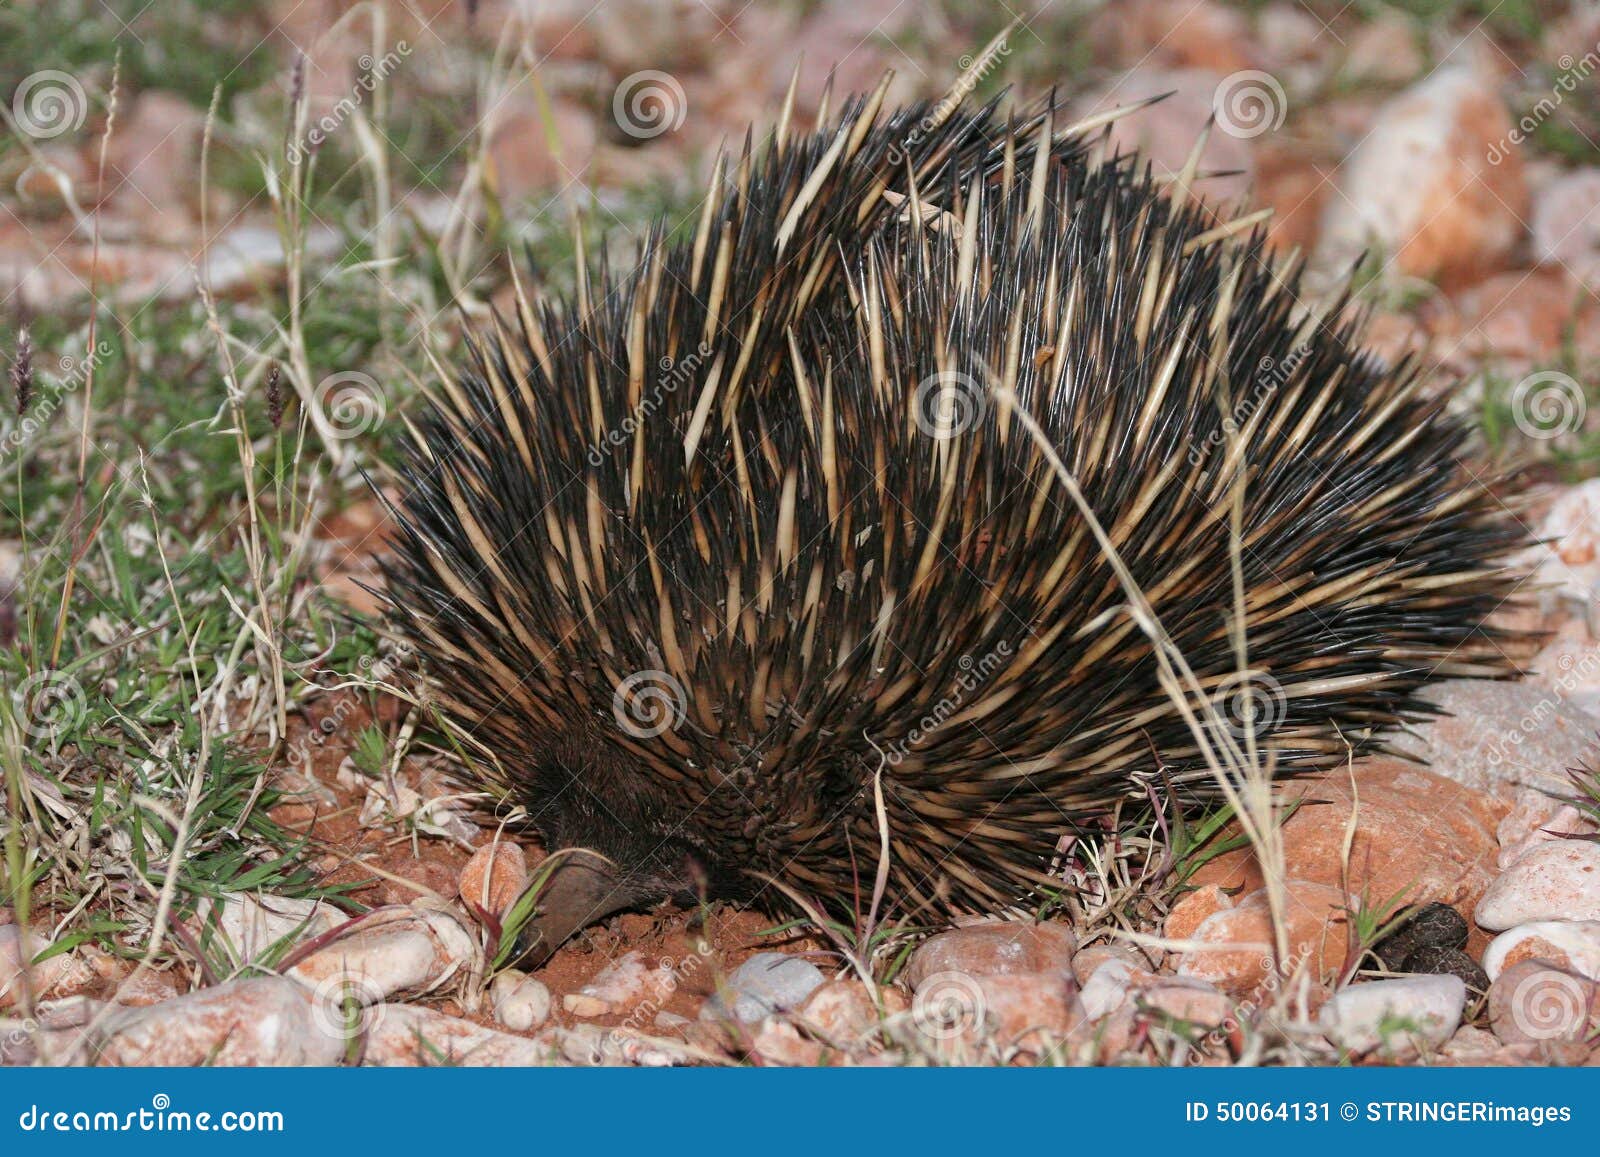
x: 264, y: 1020
x: 1564, y: 226
x: 1559, y: 880
x: 1498, y: 736
x: 494, y: 877
x: 56, y: 976
x: 1570, y: 944
x: 251, y: 924
x: 412, y: 1036
x: 1421, y: 186
x: 1418, y: 838
x: 520, y: 1002
x: 1534, y: 1001
x: 842, y: 1010
x: 766, y: 983
x: 1032, y: 1012
x: 624, y: 984
x: 1241, y: 938
x: 392, y: 950
x: 1397, y: 1016
x: 1566, y: 555
x: 1189, y: 1002
x: 996, y: 948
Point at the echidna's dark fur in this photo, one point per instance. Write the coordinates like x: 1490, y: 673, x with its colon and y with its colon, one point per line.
x: 774, y: 529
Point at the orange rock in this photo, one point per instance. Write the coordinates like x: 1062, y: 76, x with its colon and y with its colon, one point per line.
x: 494, y: 877
x: 1316, y: 936
x: 1194, y: 908
x: 1438, y: 185
x: 1419, y: 837
x: 1000, y: 948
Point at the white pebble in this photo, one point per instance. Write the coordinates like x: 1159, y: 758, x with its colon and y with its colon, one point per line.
x: 1395, y: 1015
x: 521, y: 1002
x: 1570, y: 944
x: 1559, y: 880
x: 768, y: 982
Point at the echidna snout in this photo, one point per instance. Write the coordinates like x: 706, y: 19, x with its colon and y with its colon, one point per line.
x: 767, y: 468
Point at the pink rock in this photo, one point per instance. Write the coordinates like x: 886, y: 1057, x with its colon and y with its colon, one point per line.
x: 1189, y: 1002
x: 1558, y: 880
x: 843, y: 1011
x: 1033, y: 1012
x: 410, y: 1036
x: 1534, y: 1001
x: 624, y: 984
x: 994, y: 949
x: 1573, y: 945
x: 391, y: 950
x: 265, y: 1020
x: 59, y: 975
x: 1436, y: 185
x: 1566, y: 229
x: 1567, y: 555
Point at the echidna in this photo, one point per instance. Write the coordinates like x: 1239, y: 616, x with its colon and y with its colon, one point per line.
x: 701, y: 552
